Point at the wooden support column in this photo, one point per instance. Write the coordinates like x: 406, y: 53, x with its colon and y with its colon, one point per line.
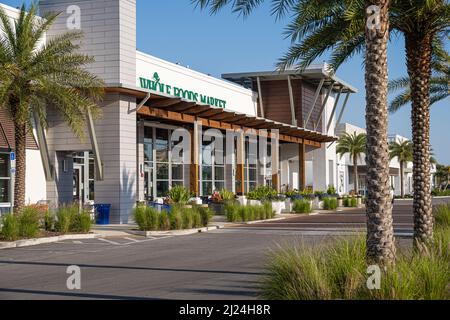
x: 276, y: 161
x: 240, y: 173
x: 302, y: 166
x: 195, y: 157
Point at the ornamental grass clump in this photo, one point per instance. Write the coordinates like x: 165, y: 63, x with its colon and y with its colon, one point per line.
x: 330, y: 203
x: 442, y: 216
x: 179, y: 195
x: 338, y: 270
x: 239, y: 213
x: 10, y: 227
x: 180, y: 217
x: 302, y: 206
x: 29, y: 222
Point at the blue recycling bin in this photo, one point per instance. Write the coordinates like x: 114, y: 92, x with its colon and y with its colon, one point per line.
x: 102, y: 216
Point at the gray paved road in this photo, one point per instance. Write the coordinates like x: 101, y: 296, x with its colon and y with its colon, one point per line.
x: 224, y: 264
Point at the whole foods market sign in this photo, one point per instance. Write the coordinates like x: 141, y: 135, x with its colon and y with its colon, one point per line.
x: 155, y: 84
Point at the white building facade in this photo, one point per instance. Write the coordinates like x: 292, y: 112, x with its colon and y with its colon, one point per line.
x: 128, y: 156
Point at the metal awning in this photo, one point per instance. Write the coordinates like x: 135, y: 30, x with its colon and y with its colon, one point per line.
x: 314, y: 74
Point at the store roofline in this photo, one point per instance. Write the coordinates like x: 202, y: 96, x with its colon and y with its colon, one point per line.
x: 314, y: 73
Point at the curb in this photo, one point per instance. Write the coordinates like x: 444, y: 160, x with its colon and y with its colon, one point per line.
x: 148, y: 234
x: 268, y: 220
x: 35, y: 242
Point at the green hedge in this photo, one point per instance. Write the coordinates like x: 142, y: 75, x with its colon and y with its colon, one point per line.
x: 69, y: 219
x: 302, y: 206
x: 330, y: 203
x: 180, y: 217
x: 350, y: 202
x: 338, y: 271
x: 239, y: 213
x: 31, y: 221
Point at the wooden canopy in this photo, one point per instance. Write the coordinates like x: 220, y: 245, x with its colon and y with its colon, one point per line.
x: 180, y: 110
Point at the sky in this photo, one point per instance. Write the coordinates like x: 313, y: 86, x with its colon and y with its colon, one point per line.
x: 224, y: 43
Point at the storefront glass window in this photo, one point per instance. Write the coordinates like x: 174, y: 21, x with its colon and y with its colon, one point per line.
x: 250, y: 169
x: 4, y: 178
x: 163, y: 173
x: 148, y: 144
x: 213, y: 168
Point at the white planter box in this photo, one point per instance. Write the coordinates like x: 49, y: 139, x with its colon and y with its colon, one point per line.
x: 254, y: 202
x: 288, y: 206
x: 359, y: 202
x: 242, y: 200
x: 317, y: 204
x: 278, y: 206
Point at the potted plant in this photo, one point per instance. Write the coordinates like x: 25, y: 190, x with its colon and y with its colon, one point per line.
x: 219, y: 199
x: 308, y: 195
x: 291, y: 196
x: 278, y: 204
x: 254, y: 197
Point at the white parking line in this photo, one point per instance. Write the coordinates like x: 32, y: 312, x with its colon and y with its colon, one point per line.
x: 109, y: 241
x: 132, y: 240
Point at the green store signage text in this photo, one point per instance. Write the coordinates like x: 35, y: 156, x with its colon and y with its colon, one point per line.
x: 157, y: 85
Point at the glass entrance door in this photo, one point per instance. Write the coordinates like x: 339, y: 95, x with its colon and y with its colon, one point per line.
x: 148, y: 183
x: 78, y: 186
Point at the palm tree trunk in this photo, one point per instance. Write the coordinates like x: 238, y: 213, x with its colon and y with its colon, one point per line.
x: 418, y: 54
x: 380, y: 231
x: 355, y: 174
x: 19, y: 182
x: 402, y: 179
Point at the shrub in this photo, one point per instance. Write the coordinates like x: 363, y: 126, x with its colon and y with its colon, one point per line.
x: 330, y: 203
x: 196, y: 219
x: 10, y: 229
x: 164, y: 221
x: 338, y: 271
x: 29, y: 224
x: 49, y: 221
x: 232, y: 212
x: 238, y: 213
x: 262, y: 193
x: 268, y: 210
x: 331, y: 190
x: 302, y: 206
x: 146, y: 218
x: 226, y: 195
x: 350, y: 202
x: 320, y: 194
x: 81, y: 223
x: 176, y: 221
x: 179, y: 195
x: 442, y: 216
x: 64, y: 218
x: 440, y: 193
x: 188, y: 220
x: 206, y: 214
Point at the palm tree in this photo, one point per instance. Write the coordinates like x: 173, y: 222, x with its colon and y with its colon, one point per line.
x: 355, y: 146
x: 402, y: 150
x: 34, y: 77
x: 338, y: 25
x: 320, y: 26
x: 380, y: 229
x: 343, y: 25
x: 439, y: 82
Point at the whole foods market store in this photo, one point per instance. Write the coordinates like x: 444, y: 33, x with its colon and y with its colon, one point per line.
x: 130, y: 153
x: 223, y: 147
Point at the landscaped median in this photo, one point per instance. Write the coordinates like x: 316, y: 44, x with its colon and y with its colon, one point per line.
x: 338, y: 270
x: 180, y: 219
x: 38, y: 225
